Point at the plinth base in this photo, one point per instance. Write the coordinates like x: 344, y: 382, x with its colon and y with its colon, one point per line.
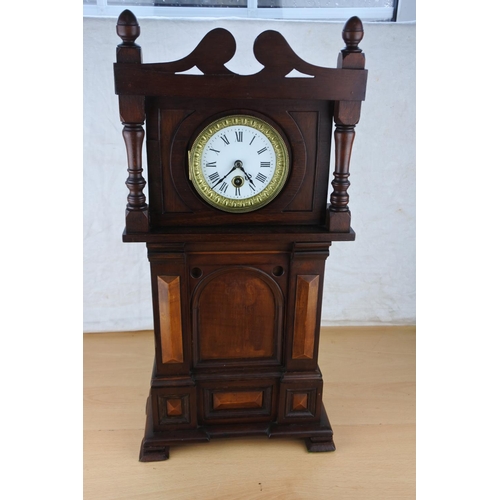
x: 155, y: 446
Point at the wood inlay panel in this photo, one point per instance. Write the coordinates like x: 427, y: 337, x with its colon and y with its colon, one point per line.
x: 306, y: 306
x: 237, y: 316
x: 247, y: 399
x: 299, y: 402
x: 235, y: 400
x: 174, y: 407
x: 169, y: 298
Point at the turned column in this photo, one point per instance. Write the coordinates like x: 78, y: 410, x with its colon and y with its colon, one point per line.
x: 132, y: 116
x: 346, y: 115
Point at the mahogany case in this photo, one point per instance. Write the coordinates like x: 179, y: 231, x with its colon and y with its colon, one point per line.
x: 237, y: 296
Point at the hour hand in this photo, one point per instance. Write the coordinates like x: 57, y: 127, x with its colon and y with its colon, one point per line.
x: 248, y: 177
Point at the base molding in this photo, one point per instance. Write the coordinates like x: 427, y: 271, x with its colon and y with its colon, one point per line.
x: 155, y: 446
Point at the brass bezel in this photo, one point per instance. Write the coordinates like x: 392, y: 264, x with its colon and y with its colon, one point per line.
x: 249, y: 204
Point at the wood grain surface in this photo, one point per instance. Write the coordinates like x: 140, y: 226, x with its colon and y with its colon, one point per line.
x: 369, y: 389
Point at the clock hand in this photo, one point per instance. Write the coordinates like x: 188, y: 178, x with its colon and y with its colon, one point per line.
x: 247, y: 176
x: 220, y: 180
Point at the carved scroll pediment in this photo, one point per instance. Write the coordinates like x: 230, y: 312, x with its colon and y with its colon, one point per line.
x: 204, y: 73
x: 218, y: 47
x: 215, y: 49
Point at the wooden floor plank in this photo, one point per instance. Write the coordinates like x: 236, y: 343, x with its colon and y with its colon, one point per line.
x: 369, y: 393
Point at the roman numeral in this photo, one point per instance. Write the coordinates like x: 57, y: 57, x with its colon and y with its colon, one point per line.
x: 251, y: 187
x: 223, y: 187
x: 262, y: 150
x: 260, y: 177
x: 265, y: 164
x: 214, y: 150
x: 225, y: 139
x: 213, y: 177
x: 253, y: 139
x: 239, y: 136
x: 237, y: 191
x: 212, y: 164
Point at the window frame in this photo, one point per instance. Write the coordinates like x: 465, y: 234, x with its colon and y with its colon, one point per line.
x: 383, y: 14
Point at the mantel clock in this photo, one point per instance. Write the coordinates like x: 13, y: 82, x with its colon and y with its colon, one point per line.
x: 237, y: 230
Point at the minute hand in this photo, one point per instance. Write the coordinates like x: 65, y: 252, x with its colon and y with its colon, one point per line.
x: 220, y: 180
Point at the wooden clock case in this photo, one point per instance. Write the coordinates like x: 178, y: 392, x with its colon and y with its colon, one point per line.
x: 237, y: 297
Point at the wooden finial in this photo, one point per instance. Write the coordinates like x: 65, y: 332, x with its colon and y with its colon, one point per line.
x: 127, y: 27
x: 128, y: 30
x: 353, y: 34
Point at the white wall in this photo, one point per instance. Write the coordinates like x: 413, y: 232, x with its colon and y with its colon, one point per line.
x: 368, y: 281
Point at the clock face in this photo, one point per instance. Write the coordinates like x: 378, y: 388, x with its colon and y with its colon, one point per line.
x: 238, y: 163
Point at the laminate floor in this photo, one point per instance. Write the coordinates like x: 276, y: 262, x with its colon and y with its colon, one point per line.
x: 369, y: 393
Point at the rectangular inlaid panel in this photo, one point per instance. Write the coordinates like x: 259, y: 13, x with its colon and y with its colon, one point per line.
x: 246, y: 400
x: 169, y: 299
x: 300, y: 403
x: 306, y: 306
x: 300, y: 400
x: 174, y: 407
x: 236, y: 400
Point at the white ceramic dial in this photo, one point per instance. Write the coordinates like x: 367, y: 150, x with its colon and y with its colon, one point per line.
x: 238, y: 162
